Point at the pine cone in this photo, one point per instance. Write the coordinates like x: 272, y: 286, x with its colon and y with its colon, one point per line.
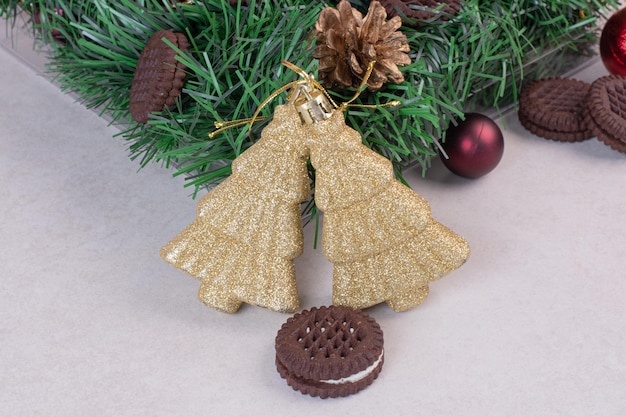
x: 347, y: 42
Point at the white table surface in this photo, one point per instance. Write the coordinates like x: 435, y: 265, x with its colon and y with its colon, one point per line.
x: 94, y: 323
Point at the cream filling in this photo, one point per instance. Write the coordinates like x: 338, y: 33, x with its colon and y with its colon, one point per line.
x: 358, y: 376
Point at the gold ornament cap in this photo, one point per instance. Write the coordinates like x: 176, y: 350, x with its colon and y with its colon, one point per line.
x: 311, y: 104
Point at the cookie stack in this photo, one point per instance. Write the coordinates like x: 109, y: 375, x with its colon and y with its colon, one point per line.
x: 605, y: 111
x: 568, y: 110
x: 552, y: 108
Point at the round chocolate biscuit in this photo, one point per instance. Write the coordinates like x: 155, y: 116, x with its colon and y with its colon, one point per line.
x: 416, y: 10
x: 606, y: 111
x: 553, y: 109
x: 553, y: 134
x: 329, y: 351
x: 158, y: 77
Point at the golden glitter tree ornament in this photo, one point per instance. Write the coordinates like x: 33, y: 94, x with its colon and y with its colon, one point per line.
x: 378, y: 233
x: 248, y: 229
x: 347, y: 42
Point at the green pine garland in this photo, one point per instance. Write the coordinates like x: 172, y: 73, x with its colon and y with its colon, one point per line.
x: 478, y: 57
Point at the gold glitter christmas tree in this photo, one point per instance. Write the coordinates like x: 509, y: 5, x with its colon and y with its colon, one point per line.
x: 248, y: 229
x: 378, y: 233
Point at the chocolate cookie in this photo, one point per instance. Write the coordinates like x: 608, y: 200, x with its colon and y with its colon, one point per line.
x: 158, y: 76
x: 329, y: 351
x: 606, y: 111
x: 426, y: 9
x: 553, y: 109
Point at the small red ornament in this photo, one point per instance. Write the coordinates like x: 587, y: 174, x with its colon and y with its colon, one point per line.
x: 613, y: 43
x: 56, y: 34
x: 474, y: 147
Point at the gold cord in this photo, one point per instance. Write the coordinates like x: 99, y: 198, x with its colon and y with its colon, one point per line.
x: 307, y: 79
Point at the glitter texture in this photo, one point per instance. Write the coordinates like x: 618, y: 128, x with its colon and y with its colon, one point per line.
x: 248, y: 229
x: 378, y: 233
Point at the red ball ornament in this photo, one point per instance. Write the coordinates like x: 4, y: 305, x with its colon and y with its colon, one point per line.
x: 474, y: 147
x: 613, y: 43
x: 56, y: 34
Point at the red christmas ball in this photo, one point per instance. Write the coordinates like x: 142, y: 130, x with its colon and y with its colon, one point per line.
x: 56, y: 34
x: 613, y: 43
x: 474, y: 147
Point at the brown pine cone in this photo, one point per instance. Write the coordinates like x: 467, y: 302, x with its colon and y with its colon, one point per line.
x: 347, y: 42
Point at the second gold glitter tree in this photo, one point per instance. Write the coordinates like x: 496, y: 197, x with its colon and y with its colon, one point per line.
x: 378, y: 233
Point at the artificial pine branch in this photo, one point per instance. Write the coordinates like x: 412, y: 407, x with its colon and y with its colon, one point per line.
x: 479, y: 56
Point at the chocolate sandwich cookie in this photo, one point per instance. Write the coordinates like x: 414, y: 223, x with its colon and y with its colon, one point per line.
x: 329, y: 351
x: 553, y: 109
x: 606, y: 111
x: 158, y: 77
x: 416, y: 10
